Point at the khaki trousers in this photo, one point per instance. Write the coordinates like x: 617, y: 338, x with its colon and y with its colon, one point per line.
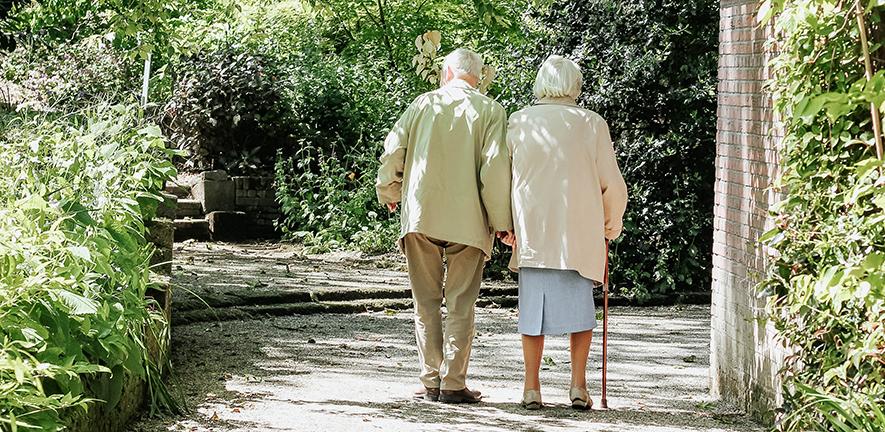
x: 443, y: 356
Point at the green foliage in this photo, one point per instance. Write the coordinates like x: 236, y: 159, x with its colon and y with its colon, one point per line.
x: 327, y: 207
x: 75, y: 191
x: 827, y: 276
x: 228, y: 110
x: 324, y: 80
x: 348, y: 89
x: 73, y: 75
x: 137, y: 27
x: 650, y: 71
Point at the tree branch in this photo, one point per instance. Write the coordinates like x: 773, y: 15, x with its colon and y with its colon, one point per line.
x: 385, y: 35
x: 868, y: 69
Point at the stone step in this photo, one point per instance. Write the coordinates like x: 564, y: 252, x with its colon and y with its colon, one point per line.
x: 181, y: 191
x: 302, y: 308
x: 168, y: 207
x: 498, y: 301
x: 189, y: 302
x: 298, y: 307
x: 189, y: 208
x: 187, y: 228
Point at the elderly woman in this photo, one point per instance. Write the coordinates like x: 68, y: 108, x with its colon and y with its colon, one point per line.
x: 568, y: 200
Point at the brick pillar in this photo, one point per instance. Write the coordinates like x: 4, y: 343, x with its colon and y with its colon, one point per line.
x: 744, y: 357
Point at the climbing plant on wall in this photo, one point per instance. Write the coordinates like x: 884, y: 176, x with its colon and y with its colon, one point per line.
x: 827, y: 278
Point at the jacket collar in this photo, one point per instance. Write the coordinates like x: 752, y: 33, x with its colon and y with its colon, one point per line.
x: 565, y: 100
x: 459, y: 83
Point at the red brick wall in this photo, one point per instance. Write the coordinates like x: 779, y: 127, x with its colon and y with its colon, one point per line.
x: 744, y: 357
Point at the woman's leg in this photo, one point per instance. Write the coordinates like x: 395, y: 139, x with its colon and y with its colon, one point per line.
x: 579, y: 346
x: 532, y: 350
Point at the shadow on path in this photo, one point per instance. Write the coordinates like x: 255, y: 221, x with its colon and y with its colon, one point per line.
x: 357, y: 372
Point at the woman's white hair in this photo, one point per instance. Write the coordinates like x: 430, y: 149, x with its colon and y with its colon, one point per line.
x: 463, y: 62
x: 558, y: 77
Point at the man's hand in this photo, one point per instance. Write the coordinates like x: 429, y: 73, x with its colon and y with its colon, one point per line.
x: 506, y: 237
x: 391, y: 207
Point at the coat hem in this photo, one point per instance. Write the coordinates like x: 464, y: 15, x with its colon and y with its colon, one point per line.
x: 487, y: 251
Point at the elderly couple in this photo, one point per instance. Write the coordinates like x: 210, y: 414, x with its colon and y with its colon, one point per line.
x: 546, y: 183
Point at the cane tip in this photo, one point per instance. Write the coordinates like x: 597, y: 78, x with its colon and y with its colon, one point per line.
x: 603, y: 404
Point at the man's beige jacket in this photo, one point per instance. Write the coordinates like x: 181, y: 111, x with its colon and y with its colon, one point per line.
x: 568, y: 193
x: 446, y: 160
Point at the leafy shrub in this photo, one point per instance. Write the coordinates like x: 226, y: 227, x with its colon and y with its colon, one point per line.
x: 826, y: 281
x: 74, y: 194
x: 51, y: 22
x: 228, y: 111
x: 74, y: 75
x: 328, y: 207
x: 650, y: 71
x: 137, y: 28
x: 349, y: 89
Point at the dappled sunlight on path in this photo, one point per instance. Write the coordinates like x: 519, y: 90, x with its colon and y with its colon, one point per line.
x: 356, y: 372
x: 339, y: 372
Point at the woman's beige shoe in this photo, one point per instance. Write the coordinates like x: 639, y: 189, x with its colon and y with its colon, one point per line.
x: 580, y: 398
x: 531, y: 400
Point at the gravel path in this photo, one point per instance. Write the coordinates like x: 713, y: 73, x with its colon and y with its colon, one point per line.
x: 356, y: 372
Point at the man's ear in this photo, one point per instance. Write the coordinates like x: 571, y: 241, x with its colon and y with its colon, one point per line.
x: 448, y: 75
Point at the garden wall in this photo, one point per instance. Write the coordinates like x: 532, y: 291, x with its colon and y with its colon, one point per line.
x: 213, y: 205
x: 256, y: 197
x: 744, y: 356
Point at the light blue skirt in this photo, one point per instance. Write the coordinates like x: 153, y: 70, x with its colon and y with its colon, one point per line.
x: 555, y: 302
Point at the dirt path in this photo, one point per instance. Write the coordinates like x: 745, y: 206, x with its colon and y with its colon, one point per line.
x: 333, y: 372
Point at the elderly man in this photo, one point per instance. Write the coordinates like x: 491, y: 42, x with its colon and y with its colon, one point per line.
x: 446, y: 159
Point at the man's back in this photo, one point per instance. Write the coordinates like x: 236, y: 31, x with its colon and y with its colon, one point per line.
x: 455, y: 170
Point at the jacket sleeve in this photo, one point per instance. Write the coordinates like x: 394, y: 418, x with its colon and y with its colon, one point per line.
x: 494, y: 172
x: 614, y: 189
x: 389, y: 184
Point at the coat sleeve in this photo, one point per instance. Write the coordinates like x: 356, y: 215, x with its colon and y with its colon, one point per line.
x: 494, y: 172
x: 389, y: 184
x: 614, y: 189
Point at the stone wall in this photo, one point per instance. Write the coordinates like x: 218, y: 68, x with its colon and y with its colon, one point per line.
x: 233, y: 208
x: 256, y: 197
x: 744, y: 357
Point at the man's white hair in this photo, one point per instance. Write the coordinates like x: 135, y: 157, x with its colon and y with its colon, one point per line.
x: 463, y: 62
x: 558, y: 77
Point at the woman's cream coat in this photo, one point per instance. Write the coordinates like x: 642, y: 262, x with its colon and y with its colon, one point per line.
x: 568, y: 193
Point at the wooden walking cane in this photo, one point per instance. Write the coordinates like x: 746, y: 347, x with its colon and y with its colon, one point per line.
x: 604, y: 402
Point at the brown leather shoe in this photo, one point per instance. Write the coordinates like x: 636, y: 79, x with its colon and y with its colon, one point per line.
x: 460, y: 396
x: 428, y: 394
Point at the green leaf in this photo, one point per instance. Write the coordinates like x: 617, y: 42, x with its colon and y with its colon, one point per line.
x: 765, y: 12
x: 81, y: 252
x: 33, y: 202
x: 863, y: 167
x: 78, y: 304
x: 152, y: 131
x: 873, y: 262
x: 769, y: 235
